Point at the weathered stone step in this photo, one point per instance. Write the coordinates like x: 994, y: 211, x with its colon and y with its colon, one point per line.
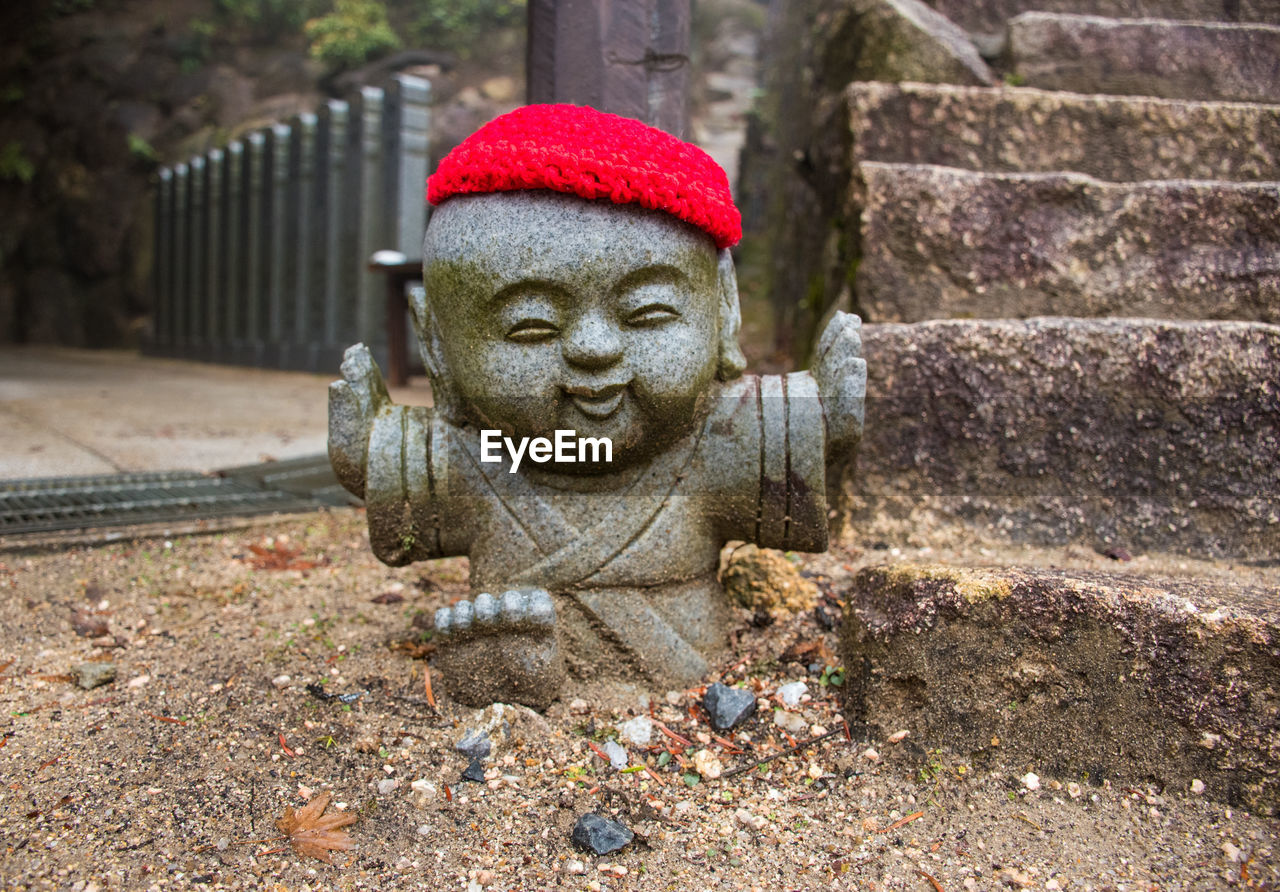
x: 939, y: 243
x: 1075, y: 676
x: 1140, y: 434
x: 989, y: 16
x: 1006, y: 129
x: 1147, y: 57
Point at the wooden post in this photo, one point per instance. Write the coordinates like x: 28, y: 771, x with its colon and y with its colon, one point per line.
x: 215, y: 263
x: 162, y: 283
x: 627, y: 57
x: 192, y: 337
x: 181, y: 269
x: 234, y: 301
x: 303, y: 214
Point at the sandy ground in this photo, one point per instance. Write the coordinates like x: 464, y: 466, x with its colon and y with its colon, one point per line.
x: 229, y: 648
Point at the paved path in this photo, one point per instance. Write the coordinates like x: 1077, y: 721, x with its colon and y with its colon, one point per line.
x: 69, y: 412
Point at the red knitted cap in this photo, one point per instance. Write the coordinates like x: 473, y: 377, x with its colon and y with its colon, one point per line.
x: 570, y: 148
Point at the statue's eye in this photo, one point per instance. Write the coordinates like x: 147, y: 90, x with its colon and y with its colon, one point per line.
x: 652, y: 315
x: 532, y: 331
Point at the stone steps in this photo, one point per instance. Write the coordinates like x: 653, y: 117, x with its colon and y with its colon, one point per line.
x: 1082, y: 677
x: 937, y: 242
x: 988, y: 17
x: 1132, y: 433
x: 1146, y: 57
x: 930, y: 194
x: 1021, y: 130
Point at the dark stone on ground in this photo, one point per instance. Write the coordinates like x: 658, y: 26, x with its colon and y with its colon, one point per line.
x: 600, y: 835
x: 1138, y: 433
x: 1072, y: 675
x: 1172, y: 59
x: 475, y: 744
x: 941, y: 243
x: 728, y: 707
x: 94, y: 675
x: 474, y: 772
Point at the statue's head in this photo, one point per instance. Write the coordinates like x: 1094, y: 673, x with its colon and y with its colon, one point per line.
x: 577, y: 276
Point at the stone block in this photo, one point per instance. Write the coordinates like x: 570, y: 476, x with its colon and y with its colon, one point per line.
x: 941, y: 243
x: 1076, y: 676
x: 1147, y: 57
x: 1023, y: 130
x: 990, y: 16
x: 895, y: 40
x: 1133, y: 433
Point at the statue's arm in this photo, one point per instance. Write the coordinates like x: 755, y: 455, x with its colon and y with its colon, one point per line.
x: 783, y: 435
x: 394, y: 457
x: 841, y: 373
x: 354, y: 403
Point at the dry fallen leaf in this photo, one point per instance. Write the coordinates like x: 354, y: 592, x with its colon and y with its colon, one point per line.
x: 279, y: 556
x: 313, y: 833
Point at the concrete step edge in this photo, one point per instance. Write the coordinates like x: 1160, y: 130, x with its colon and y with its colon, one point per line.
x: 1083, y: 677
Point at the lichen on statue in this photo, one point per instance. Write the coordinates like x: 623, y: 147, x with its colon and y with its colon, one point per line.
x: 551, y: 307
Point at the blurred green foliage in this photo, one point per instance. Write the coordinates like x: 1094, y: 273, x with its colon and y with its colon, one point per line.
x: 458, y: 24
x: 354, y: 32
x: 269, y: 20
x: 141, y: 149
x: 15, y: 166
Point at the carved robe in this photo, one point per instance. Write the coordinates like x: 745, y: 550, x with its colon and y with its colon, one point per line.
x: 630, y: 557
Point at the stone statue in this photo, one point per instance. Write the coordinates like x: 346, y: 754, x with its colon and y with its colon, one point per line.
x: 579, y: 289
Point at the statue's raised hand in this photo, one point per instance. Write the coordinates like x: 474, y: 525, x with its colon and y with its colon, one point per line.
x: 353, y: 403
x: 841, y: 373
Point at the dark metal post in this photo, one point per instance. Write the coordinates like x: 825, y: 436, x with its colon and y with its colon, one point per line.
x: 628, y: 57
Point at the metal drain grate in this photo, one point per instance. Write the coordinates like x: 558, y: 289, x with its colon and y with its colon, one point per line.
x: 43, y: 505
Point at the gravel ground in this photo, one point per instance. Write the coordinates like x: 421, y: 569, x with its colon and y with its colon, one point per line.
x: 231, y: 650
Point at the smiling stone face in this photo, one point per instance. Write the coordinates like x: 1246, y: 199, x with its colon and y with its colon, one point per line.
x: 555, y: 312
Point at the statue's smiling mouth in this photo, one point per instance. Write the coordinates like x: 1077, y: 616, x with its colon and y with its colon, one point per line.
x: 597, y: 402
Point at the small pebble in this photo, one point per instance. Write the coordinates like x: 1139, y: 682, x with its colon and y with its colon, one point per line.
x: 138, y: 681
x: 728, y: 707
x: 94, y: 675
x: 871, y: 754
x: 1197, y: 786
x: 387, y: 786
x: 899, y: 736
x: 791, y: 722
x: 1031, y: 780
x: 574, y: 867
x: 424, y: 830
x: 790, y: 694
x: 474, y: 745
x: 599, y: 834
x: 638, y: 731
x: 707, y: 765
x: 281, y: 681
x: 474, y: 772
x: 617, y: 755
x: 1073, y: 790
x: 748, y: 820
x: 578, y: 706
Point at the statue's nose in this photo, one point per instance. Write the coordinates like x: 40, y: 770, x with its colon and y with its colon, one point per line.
x: 592, y: 344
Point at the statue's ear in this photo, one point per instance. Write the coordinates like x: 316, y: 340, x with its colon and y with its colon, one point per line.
x: 429, y: 341
x: 732, y: 362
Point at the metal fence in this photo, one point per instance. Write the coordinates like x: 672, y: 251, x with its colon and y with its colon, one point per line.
x: 262, y: 247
